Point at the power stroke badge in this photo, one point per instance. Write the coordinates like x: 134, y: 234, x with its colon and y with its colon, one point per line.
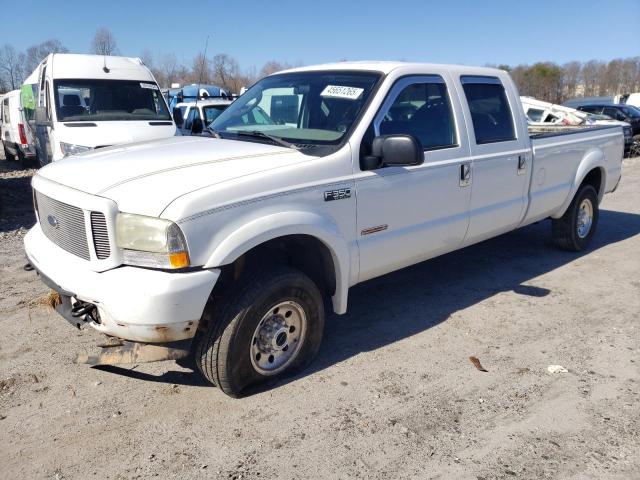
x: 338, y: 194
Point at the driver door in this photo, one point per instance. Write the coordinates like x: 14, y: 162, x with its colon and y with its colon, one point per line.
x: 409, y: 214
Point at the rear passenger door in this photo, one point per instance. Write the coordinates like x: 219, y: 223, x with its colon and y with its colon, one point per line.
x: 501, y: 161
x: 409, y: 214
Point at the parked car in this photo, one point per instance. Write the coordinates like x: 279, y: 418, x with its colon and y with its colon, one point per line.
x: 14, y: 131
x: 194, y: 92
x: 624, y: 113
x: 93, y: 101
x: 196, y: 116
x: 226, y: 248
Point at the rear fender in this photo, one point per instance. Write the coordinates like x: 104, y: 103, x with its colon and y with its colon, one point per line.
x: 594, y: 158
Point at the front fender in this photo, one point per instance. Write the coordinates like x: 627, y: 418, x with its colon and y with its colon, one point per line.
x: 594, y: 158
x: 268, y: 227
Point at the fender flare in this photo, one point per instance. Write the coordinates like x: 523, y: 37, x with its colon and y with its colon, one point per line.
x: 269, y: 227
x: 593, y: 159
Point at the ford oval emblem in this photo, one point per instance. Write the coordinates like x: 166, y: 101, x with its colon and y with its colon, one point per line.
x: 53, y: 221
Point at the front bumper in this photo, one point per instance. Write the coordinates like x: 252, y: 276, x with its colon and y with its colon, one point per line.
x: 137, y: 304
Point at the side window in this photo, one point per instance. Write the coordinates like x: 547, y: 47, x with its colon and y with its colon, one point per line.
x: 48, y: 102
x: 613, y: 113
x: 424, y: 111
x: 490, y: 111
x: 190, y: 116
x: 534, y: 114
x: 5, y: 110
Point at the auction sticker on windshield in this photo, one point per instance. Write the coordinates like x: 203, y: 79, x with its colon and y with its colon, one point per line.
x: 149, y: 85
x: 336, y: 91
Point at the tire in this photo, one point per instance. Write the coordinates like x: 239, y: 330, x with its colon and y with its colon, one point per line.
x: 23, y: 160
x: 7, y: 155
x: 270, y: 325
x: 571, y: 232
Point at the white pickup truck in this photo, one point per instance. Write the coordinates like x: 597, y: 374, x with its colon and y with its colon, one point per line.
x: 317, y: 178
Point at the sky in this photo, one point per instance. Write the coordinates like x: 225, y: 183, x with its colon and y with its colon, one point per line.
x: 304, y: 32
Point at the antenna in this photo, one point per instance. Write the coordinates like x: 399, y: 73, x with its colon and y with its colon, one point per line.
x: 204, y: 64
x: 105, y: 69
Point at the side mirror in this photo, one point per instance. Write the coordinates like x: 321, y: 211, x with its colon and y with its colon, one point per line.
x: 177, y: 117
x: 41, y: 118
x: 394, y: 150
x: 197, y: 126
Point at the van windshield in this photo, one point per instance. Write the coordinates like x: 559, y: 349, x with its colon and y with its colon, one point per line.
x: 316, y: 108
x: 103, y: 100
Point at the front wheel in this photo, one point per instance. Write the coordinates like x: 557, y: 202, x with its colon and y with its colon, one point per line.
x: 574, y: 230
x: 270, y: 325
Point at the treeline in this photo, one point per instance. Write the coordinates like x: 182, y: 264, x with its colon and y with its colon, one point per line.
x: 558, y: 83
x: 545, y: 81
x: 219, y: 69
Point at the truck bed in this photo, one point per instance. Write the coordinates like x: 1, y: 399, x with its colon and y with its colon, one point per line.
x: 558, y: 158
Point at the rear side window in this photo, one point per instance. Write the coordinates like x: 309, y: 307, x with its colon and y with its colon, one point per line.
x: 490, y: 112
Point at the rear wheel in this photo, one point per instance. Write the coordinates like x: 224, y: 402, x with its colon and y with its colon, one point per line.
x: 7, y: 155
x: 573, y: 231
x: 270, y: 325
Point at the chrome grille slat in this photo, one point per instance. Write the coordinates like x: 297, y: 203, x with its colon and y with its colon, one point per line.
x: 70, y: 234
x: 100, y: 235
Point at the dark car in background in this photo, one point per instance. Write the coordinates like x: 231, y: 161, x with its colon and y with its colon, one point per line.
x: 625, y: 113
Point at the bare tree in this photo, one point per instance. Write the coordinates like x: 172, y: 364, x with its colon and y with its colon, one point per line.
x: 12, y: 67
x: 272, y: 66
x: 36, y: 53
x: 200, y: 72
x: 104, y: 43
x: 226, y: 72
x: 570, y: 78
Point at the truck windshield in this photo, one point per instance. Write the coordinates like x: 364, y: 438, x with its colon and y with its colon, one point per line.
x: 102, y: 100
x: 317, y: 108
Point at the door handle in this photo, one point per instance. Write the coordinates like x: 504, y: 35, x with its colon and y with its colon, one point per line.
x: 465, y: 174
x: 522, y: 164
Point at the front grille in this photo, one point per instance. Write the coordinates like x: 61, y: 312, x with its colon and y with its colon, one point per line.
x: 100, y: 235
x: 63, y: 224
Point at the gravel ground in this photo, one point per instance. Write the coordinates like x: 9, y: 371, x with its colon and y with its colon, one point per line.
x: 393, y: 393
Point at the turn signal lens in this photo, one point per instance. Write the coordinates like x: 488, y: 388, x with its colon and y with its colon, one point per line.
x: 179, y: 259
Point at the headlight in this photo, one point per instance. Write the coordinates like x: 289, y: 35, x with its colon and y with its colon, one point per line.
x: 71, y: 149
x: 151, y: 242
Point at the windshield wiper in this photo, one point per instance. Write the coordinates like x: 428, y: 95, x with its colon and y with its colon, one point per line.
x: 259, y: 134
x: 213, y: 132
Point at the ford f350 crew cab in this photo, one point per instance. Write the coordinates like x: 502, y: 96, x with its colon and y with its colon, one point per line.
x: 230, y: 244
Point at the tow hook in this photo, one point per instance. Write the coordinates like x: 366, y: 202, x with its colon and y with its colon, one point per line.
x: 81, y: 312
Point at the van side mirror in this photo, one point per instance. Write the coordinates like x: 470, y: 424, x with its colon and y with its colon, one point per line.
x: 177, y: 117
x: 394, y: 150
x: 197, y: 126
x: 41, y: 118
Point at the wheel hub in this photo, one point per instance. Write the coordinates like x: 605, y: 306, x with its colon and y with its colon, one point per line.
x: 277, y: 338
x: 585, y: 218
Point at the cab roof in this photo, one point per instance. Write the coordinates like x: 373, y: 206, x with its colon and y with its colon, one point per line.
x: 387, y: 67
x: 71, y: 65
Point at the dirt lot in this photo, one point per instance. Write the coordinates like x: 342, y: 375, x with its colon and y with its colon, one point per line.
x: 393, y: 393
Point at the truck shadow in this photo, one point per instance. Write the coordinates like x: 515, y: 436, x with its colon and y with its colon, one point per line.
x: 403, y: 303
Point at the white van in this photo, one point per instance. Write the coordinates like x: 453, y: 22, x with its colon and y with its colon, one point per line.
x: 92, y: 101
x: 14, y: 130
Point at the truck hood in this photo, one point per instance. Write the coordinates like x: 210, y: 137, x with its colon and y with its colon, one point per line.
x: 145, y: 177
x: 104, y: 134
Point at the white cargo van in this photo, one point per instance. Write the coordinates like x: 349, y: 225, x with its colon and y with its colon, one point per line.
x: 92, y: 101
x: 14, y: 129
